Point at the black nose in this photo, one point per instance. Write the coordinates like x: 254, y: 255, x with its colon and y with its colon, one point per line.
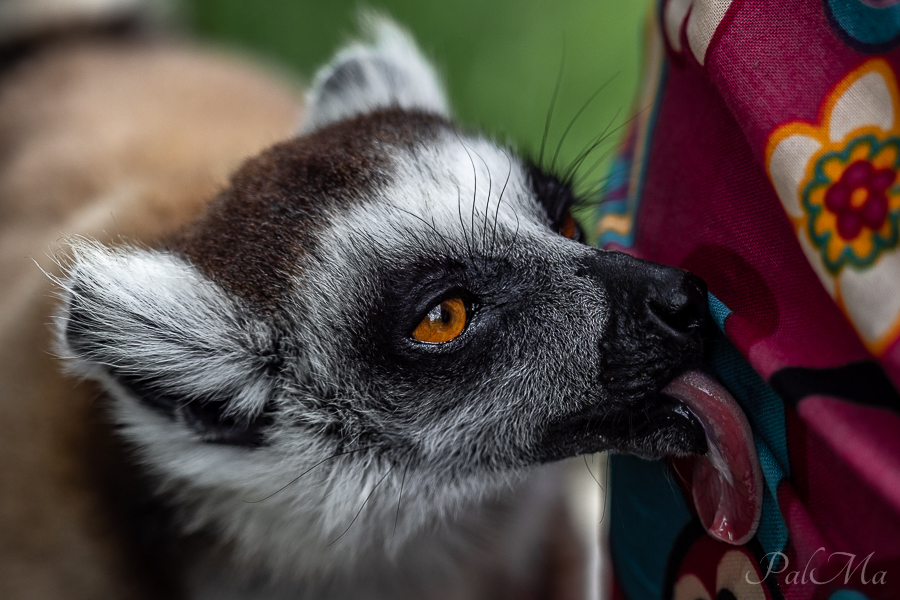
x: 677, y: 300
x: 649, y: 295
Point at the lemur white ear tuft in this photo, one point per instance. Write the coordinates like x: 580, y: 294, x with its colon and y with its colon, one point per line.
x: 151, y: 328
x: 387, y: 71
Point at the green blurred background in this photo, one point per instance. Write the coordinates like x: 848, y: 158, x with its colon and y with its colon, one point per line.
x: 500, y: 58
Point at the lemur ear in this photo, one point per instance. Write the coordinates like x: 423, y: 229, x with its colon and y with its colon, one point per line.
x: 154, y: 330
x: 388, y: 71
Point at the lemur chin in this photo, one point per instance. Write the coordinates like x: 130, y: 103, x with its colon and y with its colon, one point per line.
x: 346, y: 371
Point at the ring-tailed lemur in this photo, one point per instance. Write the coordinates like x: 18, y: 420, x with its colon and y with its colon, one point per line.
x: 342, y: 377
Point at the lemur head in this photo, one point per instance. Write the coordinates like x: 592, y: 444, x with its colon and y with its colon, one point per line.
x: 384, y: 320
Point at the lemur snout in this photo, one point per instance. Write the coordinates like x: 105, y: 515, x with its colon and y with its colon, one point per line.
x: 656, y: 329
x: 674, y: 300
x: 677, y: 300
x: 658, y: 318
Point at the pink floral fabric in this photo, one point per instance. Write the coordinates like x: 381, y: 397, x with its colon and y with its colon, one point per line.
x: 764, y: 157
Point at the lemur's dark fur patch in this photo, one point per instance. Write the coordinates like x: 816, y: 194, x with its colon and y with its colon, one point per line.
x: 554, y: 195
x: 252, y: 237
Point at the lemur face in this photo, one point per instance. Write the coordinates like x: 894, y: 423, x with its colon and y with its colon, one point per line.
x: 380, y: 321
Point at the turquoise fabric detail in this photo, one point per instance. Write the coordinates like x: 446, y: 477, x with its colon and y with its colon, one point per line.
x: 647, y: 513
x: 865, y: 23
x: 718, y: 311
x: 848, y: 595
x: 772, y: 533
x: 765, y: 412
x: 763, y: 407
x: 619, y: 173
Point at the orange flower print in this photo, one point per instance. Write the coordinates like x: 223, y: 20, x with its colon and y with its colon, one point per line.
x: 853, y: 202
x: 838, y: 182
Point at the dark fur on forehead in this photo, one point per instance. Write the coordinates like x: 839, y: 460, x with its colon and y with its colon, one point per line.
x: 254, y: 234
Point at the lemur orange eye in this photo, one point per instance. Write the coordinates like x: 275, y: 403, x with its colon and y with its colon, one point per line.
x: 568, y: 227
x: 443, y: 322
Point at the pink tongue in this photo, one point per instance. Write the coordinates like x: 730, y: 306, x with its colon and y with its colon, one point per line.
x: 727, y: 481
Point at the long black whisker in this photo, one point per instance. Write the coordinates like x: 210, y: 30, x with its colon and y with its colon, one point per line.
x: 581, y: 180
x: 591, y: 472
x: 447, y: 244
x: 366, y: 501
x: 589, y: 198
x: 475, y: 192
x: 462, y: 224
x: 459, y: 202
x: 562, y: 63
x: 499, y: 200
x: 512, y: 243
x: 300, y: 476
x: 575, y: 118
x: 474, y: 199
x: 600, y: 139
x: 605, y: 491
x: 487, y: 204
x: 605, y: 135
x: 400, y: 497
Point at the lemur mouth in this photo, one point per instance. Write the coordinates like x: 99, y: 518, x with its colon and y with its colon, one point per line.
x: 726, y: 479
x: 696, y: 422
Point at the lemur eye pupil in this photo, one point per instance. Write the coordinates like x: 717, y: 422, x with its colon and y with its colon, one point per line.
x: 443, y: 322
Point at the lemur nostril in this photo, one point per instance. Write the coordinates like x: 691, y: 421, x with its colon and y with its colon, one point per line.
x: 650, y: 294
x: 681, y: 305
